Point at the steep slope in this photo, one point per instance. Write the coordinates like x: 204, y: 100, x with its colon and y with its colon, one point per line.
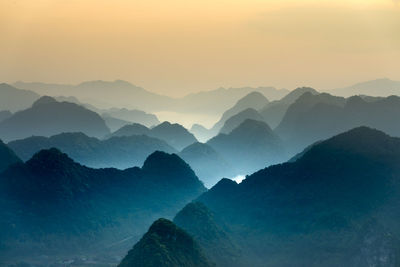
x: 47, y: 117
x: 167, y: 245
x: 208, y: 165
x: 5, y: 114
x: 7, y: 157
x: 249, y: 147
x: 174, y: 134
x: 337, y: 205
x: 65, y: 208
x: 196, y: 219
x: 234, y: 121
x: 274, y: 111
x: 200, y: 132
x: 254, y: 100
x: 315, y: 117
x: 15, y: 99
x: 113, y: 123
x: 118, y: 152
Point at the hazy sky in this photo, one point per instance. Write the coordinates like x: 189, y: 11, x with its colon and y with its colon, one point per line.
x: 176, y: 47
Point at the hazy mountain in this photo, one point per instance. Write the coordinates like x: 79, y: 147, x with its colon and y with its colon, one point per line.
x: 14, y: 99
x: 5, y: 114
x: 254, y: 100
x: 104, y: 94
x: 208, y: 165
x: 315, y: 117
x: 165, y: 244
x: 118, y: 152
x: 47, y: 117
x: 234, y: 121
x: 379, y: 87
x: 337, y: 205
x: 135, y: 116
x: 249, y: 147
x: 196, y: 219
x: 132, y: 129
x: 51, y: 205
x: 200, y: 132
x: 274, y: 111
x: 7, y: 157
x: 174, y: 134
x: 113, y: 123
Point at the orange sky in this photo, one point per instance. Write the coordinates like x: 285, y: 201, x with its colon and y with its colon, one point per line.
x: 177, y: 47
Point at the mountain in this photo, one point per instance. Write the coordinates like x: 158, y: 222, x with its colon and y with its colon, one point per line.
x: 104, y: 94
x: 249, y: 147
x: 336, y: 205
x: 380, y: 87
x: 5, y: 114
x: 132, y: 129
x: 174, y: 134
x: 118, y: 152
x: 113, y: 123
x: 47, y: 117
x: 234, y: 121
x: 200, y: 132
x: 108, y: 94
x: 315, y: 117
x: 208, y: 165
x: 196, y: 219
x: 165, y: 244
x: 135, y: 116
x: 254, y: 100
x: 53, y: 206
x: 274, y: 111
x: 7, y: 157
x: 14, y: 99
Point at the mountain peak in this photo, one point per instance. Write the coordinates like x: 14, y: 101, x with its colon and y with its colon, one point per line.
x: 52, y: 158
x: 165, y: 244
x: 44, y: 100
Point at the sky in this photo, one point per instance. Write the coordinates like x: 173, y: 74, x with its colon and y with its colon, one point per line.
x: 176, y: 47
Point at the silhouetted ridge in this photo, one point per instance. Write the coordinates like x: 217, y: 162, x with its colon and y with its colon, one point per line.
x: 167, y: 245
x: 163, y: 163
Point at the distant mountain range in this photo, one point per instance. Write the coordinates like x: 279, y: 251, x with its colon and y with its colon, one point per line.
x: 55, y: 206
x: 119, y: 93
x: 379, y: 87
x: 47, y: 117
x: 14, y: 99
x: 336, y: 205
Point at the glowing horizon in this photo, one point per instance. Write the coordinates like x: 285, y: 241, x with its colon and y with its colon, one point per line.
x: 179, y: 47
